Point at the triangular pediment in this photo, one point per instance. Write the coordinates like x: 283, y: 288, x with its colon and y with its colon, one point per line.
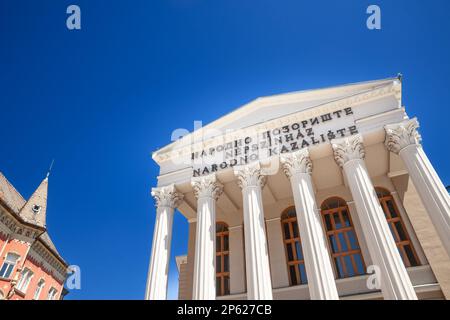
x: 264, y: 109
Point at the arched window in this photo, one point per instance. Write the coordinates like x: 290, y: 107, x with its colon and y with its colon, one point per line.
x: 8, y: 265
x: 52, y: 294
x: 398, y: 230
x: 39, y: 287
x: 25, y: 280
x: 345, y: 250
x: 222, y: 260
x: 293, y: 246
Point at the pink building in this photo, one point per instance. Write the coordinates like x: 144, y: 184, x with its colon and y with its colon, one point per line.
x: 30, y: 265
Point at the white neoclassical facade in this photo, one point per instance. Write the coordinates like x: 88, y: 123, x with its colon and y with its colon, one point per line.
x: 319, y: 194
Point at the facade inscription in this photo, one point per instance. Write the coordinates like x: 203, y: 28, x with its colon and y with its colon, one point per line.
x: 263, y: 145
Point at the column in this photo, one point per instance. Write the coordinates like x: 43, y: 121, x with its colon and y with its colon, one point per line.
x: 394, y: 280
x: 207, y: 190
x: 259, y: 284
x: 403, y: 139
x: 167, y: 199
x: 298, y: 167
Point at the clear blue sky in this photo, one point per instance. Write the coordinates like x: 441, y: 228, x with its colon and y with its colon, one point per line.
x: 101, y: 99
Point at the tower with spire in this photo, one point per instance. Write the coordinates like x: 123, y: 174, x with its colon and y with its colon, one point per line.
x: 30, y: 265
x: 35, y: 209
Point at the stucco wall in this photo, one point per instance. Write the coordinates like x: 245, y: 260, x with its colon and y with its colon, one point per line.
x: 21, y: 248
x: 237, y: 260
x: 187, y: 270
x: 425, y: 231
x: 277, y: 254
x: 14, y: 246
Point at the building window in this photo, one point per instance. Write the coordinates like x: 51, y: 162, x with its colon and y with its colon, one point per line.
x: 398, y: 230
x: 222, y: 260
x: 38, y: 290
x: 25, y: 279
x: 293, y: 247
x: 345, y: 250
x: 52, y: 294
x: 8, y: 265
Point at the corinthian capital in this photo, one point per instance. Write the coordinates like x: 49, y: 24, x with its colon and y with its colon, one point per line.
x: 401, y: 135
x: 348, y: 148
x: 296, y: 162
x: 167, y: 196
x: 250, y: 176
x: 207, y: 186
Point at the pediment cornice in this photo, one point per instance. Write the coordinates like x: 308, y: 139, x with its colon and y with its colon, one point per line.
x: 16, y: 227
x: 185, y: 148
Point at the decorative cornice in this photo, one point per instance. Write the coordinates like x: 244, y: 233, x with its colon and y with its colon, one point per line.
x: 16, y: 227
x: 167, y: 196
x: 401, y: 135
x: 348, y: 148
x: 250, y: 176
x: 296, y: 162
x: 193, y: 145
x: 207, y: 187
x: 42, y: 257
x: 3, y: 236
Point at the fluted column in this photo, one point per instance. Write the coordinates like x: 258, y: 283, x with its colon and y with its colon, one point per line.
x: 166, y: 199
x: 404, y: 140
x: 395, y: 283
x: 259, y: 284
x: 207, y: 190
x: 298, y: 167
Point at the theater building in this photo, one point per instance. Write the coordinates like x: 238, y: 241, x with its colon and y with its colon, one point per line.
x: 30, y: 266
x: 320, y: 194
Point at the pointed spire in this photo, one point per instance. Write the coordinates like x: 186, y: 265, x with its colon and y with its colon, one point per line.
x: 50, y: 168
x: 35, y: 209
